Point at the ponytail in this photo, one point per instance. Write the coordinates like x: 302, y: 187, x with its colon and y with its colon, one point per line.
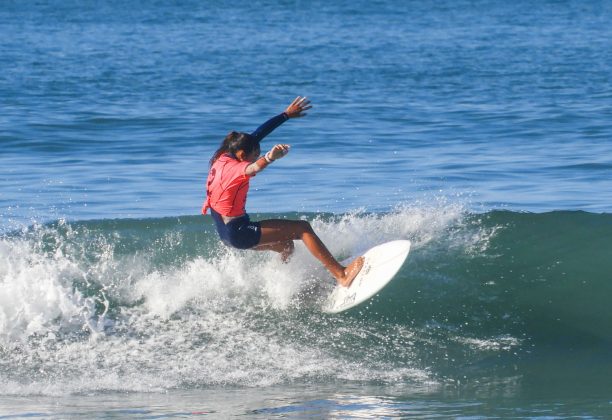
x: 233, y: 142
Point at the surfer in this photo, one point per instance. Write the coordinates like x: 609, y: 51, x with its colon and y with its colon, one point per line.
x: 231, y: 168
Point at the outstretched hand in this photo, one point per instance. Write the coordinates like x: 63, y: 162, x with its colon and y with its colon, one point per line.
x: 297, y: 107
x: 278, y: 151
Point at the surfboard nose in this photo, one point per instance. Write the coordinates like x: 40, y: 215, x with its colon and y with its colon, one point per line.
x: 381, y: 264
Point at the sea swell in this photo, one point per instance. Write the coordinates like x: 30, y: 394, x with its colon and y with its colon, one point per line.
x: 154, y: 304
x: 545, y: 276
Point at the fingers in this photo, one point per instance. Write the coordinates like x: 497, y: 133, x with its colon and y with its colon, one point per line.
x: 304, y: 103
x: 299, y: 100
x: 279, y: 151
x: 298, y: 106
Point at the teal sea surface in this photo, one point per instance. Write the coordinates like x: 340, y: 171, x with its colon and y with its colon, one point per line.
x: 478, y: 130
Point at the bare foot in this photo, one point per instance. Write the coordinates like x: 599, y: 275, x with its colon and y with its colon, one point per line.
x: 351, y: 272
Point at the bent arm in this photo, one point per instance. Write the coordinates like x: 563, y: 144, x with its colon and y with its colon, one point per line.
x: 277, y: 152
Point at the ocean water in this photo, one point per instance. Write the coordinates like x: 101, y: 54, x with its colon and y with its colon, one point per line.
x: 479, y: 130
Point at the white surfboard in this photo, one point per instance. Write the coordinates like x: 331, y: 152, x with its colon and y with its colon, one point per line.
x: 380, y: 266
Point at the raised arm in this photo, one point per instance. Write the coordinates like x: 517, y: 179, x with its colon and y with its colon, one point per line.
x: 269, y: 126
x: 294, y: 110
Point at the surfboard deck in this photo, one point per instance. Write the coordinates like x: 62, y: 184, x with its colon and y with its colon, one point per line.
x: 381, y: 264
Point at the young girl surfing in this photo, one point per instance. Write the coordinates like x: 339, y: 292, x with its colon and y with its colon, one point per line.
x: 231, y: 169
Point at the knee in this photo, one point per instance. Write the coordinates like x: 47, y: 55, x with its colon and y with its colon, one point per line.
x: 299, y: 228
x: 287, y: 251
x: 305, y: 227
x: 289, y: 247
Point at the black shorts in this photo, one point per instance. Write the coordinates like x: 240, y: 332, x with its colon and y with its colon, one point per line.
x: 239, y: 233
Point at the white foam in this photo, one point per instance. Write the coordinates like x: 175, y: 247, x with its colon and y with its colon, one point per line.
x: 36, y: 292
x: 241, y: 318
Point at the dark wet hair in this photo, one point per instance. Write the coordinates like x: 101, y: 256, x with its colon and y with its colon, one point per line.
x: 234, y: 142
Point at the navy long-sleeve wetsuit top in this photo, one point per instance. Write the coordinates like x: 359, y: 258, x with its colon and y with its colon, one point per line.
x: 269, y: 126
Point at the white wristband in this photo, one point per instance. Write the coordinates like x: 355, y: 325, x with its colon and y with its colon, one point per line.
x: 267, y: 158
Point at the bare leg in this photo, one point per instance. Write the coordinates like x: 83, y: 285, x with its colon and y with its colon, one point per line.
x: 276, y: 234
x: 284, y: 248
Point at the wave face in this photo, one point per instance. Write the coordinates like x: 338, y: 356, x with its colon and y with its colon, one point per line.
x: 156, y: 304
